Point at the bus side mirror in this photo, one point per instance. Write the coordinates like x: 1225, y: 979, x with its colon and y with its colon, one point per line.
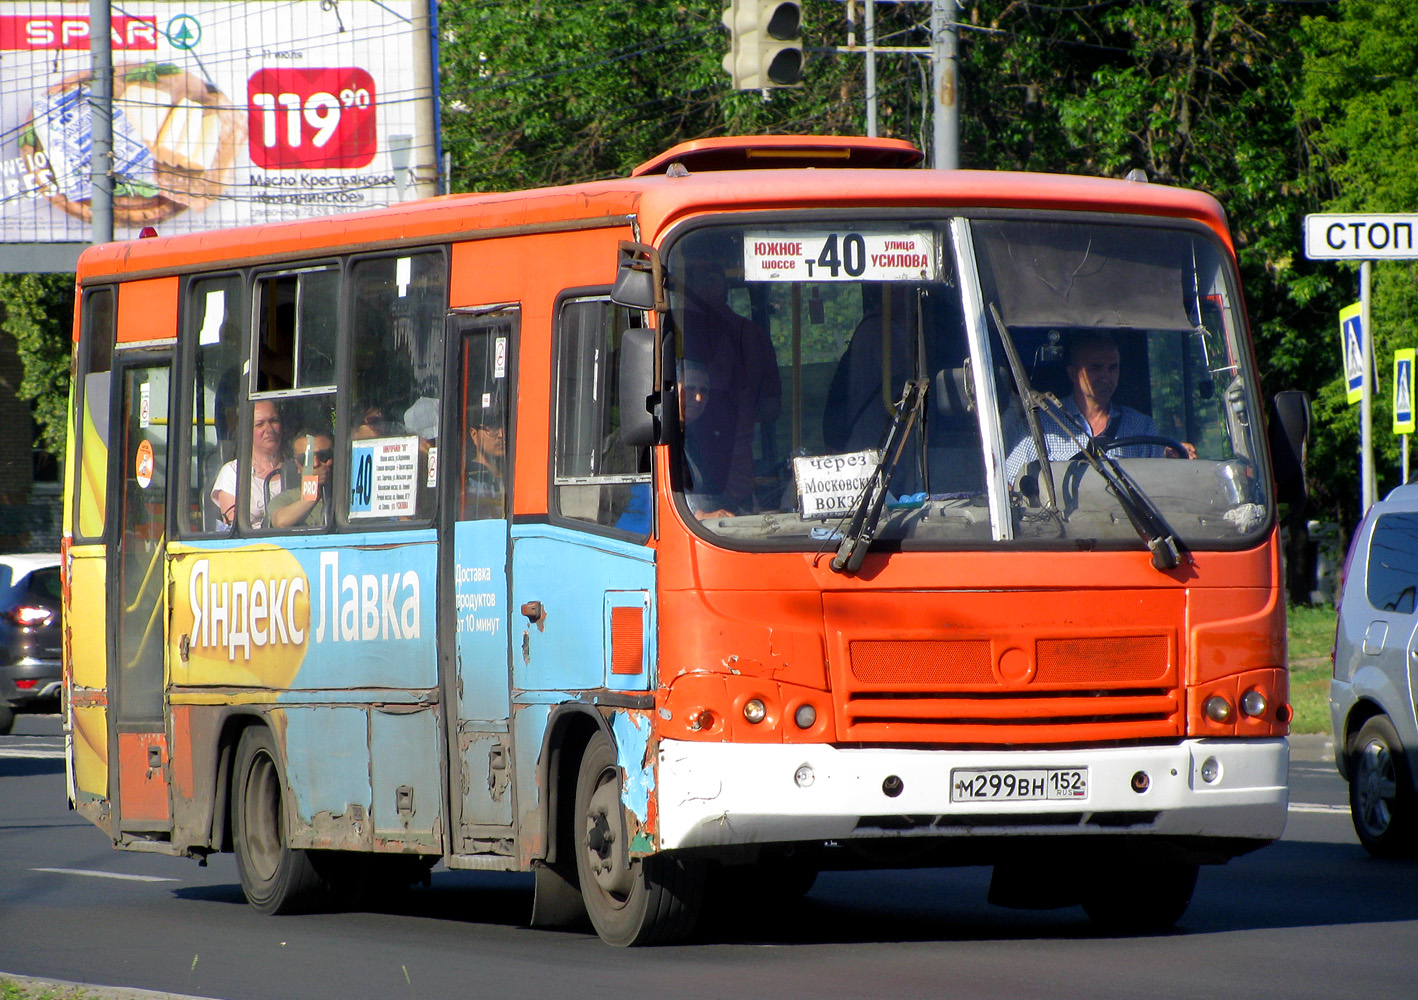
x: 1288, y: 432
x: 639, y: 397
x: 639, y: 282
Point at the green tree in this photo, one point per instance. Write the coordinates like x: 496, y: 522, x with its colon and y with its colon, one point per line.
x: 1359, y: 109
x: 37, y: 310
x: 550, y: 92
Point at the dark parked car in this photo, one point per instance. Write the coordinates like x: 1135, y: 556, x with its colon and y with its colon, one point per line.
x: 30, y: 635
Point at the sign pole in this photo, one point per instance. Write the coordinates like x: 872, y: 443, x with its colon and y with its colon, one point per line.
x: 1366, y: 402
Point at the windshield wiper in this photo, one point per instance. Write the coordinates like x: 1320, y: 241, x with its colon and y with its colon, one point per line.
x: 1033, y: 402
x: 867, y: 515
x: 1149, y: 523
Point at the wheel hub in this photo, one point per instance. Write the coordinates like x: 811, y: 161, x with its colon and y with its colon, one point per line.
x: 605, y: 853
x: 1375, y: 786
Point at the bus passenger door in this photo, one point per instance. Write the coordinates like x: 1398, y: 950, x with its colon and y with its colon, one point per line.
x: 136, y: 582
x: 481, y: 764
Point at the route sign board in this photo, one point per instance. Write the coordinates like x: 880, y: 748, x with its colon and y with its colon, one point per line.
x: 1345, y: 236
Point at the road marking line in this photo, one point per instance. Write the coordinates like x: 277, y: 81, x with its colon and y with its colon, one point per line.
x: 98, y: 874
x: 22, y: 753
x: 1316, y: 807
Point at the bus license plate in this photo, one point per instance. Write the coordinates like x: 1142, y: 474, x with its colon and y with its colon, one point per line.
x: 1018, y: 784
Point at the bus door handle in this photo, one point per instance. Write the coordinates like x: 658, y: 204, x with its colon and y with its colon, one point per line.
x: 535, y: 613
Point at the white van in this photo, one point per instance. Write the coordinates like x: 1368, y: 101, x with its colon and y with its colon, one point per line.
x: 1371, y: 698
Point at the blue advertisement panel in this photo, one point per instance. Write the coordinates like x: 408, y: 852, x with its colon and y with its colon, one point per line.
x: 308, y: 615
x: 480, y: 606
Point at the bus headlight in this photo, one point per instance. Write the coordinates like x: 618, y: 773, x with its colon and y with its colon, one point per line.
x: 754, y: 710
x: 1253, y: 703
x: 1218, y: 709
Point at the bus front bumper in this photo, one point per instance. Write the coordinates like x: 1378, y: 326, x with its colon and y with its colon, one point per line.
x: 721, y: 794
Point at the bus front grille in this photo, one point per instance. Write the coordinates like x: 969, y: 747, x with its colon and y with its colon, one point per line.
x: 988, y: 691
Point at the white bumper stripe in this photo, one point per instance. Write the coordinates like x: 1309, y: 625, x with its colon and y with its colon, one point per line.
x: 722, y: 793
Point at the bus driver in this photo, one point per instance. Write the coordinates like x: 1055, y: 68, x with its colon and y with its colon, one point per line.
x: 1092, y: 366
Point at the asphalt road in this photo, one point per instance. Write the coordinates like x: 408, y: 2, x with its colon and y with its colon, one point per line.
x: 1311, y: 916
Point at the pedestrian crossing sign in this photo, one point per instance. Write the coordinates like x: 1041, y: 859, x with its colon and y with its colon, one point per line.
x: 1351, y: 342
x: 1403, y: 419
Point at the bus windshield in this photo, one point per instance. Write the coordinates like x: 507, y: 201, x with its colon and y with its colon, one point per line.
x: 795, y: 343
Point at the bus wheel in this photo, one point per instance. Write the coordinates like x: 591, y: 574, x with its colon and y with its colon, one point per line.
x: 1139, y: 898
x: 1381, y: 797
x: 649, y: 900
x: 274, y: 877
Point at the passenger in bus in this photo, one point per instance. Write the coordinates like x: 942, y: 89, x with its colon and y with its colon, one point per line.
x: 741, y: 372
x: 265, y: 471
x: 1093, y: 367
x: 372, y: 422
x: 300, y: 506
x: 483, y: 489
x: 703, y: 493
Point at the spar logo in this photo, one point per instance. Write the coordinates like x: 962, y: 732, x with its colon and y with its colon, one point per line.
x: 43, y: 33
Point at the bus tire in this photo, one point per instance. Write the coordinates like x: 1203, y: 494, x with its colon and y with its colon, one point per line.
x: 650, y: 900
x: 1381, y: 797
x: 1140, y: 898
x: 275, y: 877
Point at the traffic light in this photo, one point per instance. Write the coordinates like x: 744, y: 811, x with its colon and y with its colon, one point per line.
x: 766, y: 39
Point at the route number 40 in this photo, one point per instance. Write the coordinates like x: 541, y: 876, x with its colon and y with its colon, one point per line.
x: 309, y: 118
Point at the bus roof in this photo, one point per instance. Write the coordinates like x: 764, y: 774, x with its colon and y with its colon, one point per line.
x: 655, y: 202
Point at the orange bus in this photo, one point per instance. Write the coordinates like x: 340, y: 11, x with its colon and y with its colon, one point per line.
x: 782, y: 507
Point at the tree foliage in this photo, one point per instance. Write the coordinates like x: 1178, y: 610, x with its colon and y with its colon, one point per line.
x: 1358, y: 106
x: 550, y: 91
x: 37, y: 310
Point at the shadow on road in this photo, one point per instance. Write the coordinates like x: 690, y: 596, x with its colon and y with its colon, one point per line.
x: 1289, y: 884
x: 495, y: 898
x: 24, y: 767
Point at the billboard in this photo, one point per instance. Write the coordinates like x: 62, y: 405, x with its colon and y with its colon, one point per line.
x: 224, y: 113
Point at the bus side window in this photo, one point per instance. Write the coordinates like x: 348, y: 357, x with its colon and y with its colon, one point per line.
x: 390, y: 443
x: 100, y: 323
x: 484, y: 425
x: 212, y: 314
x: 296, y: 329
x: 596, y: 479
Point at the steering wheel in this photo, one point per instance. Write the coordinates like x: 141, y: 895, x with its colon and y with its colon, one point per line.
x: 1156, y: 439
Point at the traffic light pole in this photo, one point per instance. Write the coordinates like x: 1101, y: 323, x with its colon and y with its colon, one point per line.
x: 945, y: 145
x: 870, y: 13
x: 943, y: 51
x: 101, y: 119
